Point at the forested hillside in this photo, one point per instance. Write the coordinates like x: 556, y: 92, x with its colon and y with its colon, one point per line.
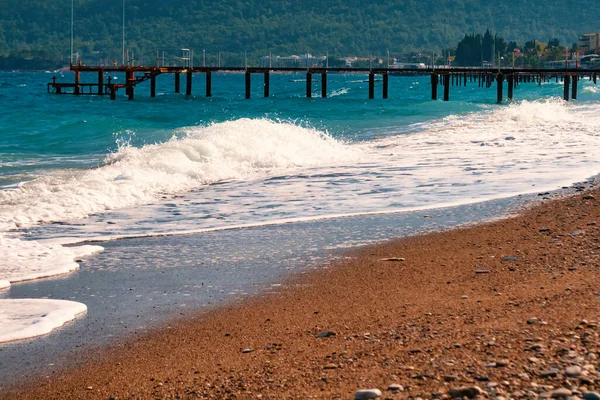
x: 40, y: 29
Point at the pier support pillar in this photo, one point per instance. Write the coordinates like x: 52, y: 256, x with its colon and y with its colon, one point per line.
x: 153, y: 86
x: 101, y: 81
x: 130, y: 89
x: 177, y: 82
x: 566, y: 89
x: 77, y: 76
x: 208, y: 84
x: 447, y: 87
x: 385, y: 85
x: 267, y: 82
x: 511, y: 85
x: 500, y: 86
x: 188, y: 83
x: 434, y: 85
x: 324, y: 85
x: 595, y: 78
x: 113, y: 92
x: 248, y: 84
x: 465, y: 79
x: 371, y: 85
x: 308, y: 85
x: 574, y: 87
x: 126, y: 86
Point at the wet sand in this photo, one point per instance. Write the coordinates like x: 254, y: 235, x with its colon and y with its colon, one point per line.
x: 503, y: 307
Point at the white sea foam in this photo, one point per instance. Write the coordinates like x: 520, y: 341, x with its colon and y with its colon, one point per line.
x: 27, y: 318
x: 279, y: 172
x: 339, y: 92
x: 237, y: 150
x: 22, y: 260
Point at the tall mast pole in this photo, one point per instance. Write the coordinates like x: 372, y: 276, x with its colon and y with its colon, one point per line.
x: 123, y: 62
x: 71, y: 55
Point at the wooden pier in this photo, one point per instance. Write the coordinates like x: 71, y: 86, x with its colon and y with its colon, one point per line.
x: 446, y: 77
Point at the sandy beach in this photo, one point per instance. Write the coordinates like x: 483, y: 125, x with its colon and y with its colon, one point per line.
x: 506, y: 309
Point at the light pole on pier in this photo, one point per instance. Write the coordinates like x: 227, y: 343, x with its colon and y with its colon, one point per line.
x: 123, y: 38
x: 71, y: 54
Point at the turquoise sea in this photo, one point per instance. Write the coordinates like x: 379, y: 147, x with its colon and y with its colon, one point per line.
x: 253, y: 190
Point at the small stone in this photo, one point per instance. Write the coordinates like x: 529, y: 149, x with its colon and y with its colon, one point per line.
x: 585, y: 380
x: 366, y: 394
x: 588, y: 197
x: 573, y: 371
x: 501, y: 363
x: 482, y: 271
x: 469, y: 392
x: 395, y: 259
x: 544, y: 230
x: 532, y: 321
x: 395, y: 387
x: 248, y: 350
x: 450, y: 378
x: 561, y: 393
x: 325, y: 334
x: 330, y: 366
x: 89, y: 388
x: 548, y: 374
x: 464, y: 297
x: 512, y: 258
x: 591, y: 396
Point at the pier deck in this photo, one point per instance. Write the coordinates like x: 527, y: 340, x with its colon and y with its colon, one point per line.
x: 446, y: 77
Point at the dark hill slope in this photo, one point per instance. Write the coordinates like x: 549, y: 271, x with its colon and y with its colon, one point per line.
x: 343, y: 27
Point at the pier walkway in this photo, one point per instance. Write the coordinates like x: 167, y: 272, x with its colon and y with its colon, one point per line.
x: 444, y: 77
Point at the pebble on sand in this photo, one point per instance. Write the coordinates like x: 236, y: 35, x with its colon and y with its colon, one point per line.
x: 366, y: 394
x: 248, y: 350
x: 469, y: 392
x: 573, y: 371
x: 591, y: 396
x: 397, y: 259
x: 325, y: 334
x: 395, y: 387
x: 561, y: 393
